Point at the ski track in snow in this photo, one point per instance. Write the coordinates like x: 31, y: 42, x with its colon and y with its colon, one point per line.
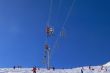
x: 97, y: 69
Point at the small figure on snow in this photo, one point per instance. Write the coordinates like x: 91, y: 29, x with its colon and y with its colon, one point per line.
x: 106, y: 69
x: 102, y: 67
x: 14, y: 67
x: 81, y: 70
x: 34, y: 69
x: 53, y: 68
x: 90, y: 68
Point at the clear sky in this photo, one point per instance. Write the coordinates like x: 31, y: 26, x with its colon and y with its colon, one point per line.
x: 22, y: 36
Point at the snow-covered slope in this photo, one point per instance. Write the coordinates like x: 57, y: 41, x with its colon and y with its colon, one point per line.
x: 87, y: 69
x: 107, y: 64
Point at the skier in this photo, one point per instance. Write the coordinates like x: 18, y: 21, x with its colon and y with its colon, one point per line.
x: 53, y: 68
x: 102, y: 67
x: 90, y: 67
x: 106, y: 69
x: 81, y: 70
x: 14, y: 67
x: 34, y: 69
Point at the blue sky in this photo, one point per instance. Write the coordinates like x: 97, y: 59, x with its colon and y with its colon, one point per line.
x: 22, y: 36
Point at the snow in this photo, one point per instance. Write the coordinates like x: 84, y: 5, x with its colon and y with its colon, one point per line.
x: 86, y: 69
x: 107, y: 64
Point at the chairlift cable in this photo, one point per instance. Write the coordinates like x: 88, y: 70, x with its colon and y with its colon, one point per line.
x: 50, y: 12
x: 66, y: 19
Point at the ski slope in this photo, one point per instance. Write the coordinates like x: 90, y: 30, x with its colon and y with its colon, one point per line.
x: 86, y: 69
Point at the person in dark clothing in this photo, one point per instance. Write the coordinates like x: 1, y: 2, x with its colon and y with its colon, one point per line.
x: 81, y: 70
x: 89, y: 67
x: 102, y: 67
x: 53, y: 68
x: 34, y: 69
x: 106, y: 69
x: 14, y: 67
